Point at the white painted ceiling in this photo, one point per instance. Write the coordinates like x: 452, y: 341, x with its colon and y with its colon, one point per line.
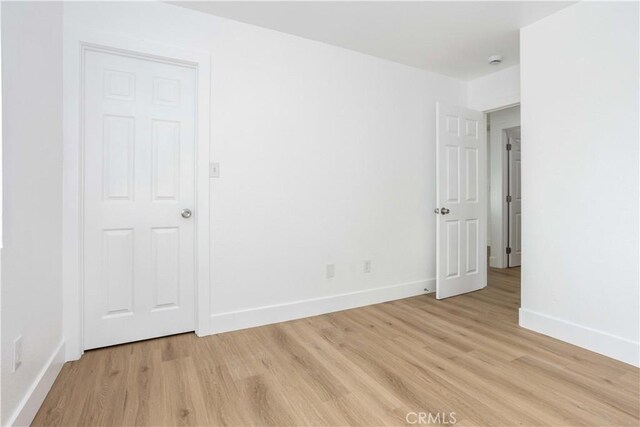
x: 453, y: 38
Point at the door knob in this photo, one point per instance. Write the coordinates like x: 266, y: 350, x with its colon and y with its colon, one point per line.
x: 186, y: 213
x: 444, y: 211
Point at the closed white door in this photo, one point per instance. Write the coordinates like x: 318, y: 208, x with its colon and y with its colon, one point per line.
x: 139, y: 136
x: 461, y: 201
x: 514, y: 199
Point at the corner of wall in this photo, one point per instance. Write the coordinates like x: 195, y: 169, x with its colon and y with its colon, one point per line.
x: 31, y: 402
x: 31, y: 271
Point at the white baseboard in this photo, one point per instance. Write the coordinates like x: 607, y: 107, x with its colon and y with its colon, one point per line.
x: 496, y: 262
x: 609, y: 345
x: 29, y: 405
x: 242, y: 319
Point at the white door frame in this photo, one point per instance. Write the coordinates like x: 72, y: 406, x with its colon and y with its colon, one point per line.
x: 498, y: 194
x: 508, y: 206
x: 76, y: 42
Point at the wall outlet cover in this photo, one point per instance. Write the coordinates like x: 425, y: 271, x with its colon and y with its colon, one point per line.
x: 331, y: 271
x: 367, y: 266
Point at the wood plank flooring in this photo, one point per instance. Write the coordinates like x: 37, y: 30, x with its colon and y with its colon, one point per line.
x: 367, y: 366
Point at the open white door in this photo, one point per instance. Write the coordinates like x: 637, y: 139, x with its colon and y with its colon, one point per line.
x: 461, y: 152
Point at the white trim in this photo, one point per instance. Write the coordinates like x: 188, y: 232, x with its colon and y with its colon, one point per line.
x: 266, y: 315
x: 76, y: 41
x: 1, y: 150
x: 502, y: 104
x: 31, y: 402
x: 613, y: 346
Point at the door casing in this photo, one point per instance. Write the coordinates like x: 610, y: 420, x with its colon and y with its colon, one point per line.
x: 513, y: 259
x: 498, y: 212
x: 77, y: 42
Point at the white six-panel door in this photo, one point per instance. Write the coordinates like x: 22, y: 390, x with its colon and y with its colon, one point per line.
x: 461, y: 201
x: 515, y: 205
x: 138, y: 254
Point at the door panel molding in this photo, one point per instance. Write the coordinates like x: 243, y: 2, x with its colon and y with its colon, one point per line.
x: 77, y: 43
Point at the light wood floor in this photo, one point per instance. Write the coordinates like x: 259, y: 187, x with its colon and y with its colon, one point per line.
x: 367, y: 366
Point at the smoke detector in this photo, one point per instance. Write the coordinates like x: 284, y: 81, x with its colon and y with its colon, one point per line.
x: 495, y: 60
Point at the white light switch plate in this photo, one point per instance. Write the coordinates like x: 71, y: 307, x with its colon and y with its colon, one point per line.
x: 214, y: 170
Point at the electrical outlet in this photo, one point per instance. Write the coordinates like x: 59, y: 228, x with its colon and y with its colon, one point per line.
x: 214, y: 170
x: 17, y: 353
x: 331, y: 271
x: 367, y: 266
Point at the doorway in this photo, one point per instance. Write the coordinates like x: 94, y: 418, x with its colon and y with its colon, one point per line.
x: 514, y: 198
x: 135, y: 70
x: 504, y: 232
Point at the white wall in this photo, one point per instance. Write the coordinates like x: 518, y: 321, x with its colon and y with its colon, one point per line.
x: 31, y: 257
x: 327, y: 156
x: 496, y: 90
x: 500, y: 121
x: 580, y: 134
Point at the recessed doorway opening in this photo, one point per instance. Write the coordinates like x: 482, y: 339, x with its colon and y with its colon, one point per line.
x: 504, y: 213
x: 514, y: 198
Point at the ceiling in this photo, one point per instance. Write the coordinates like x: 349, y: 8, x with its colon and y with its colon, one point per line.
x: 453, y: 38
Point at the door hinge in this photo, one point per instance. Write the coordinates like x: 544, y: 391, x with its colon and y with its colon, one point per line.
x: 508, y: 147
x: 508, y: 251
x: 508, y: 199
